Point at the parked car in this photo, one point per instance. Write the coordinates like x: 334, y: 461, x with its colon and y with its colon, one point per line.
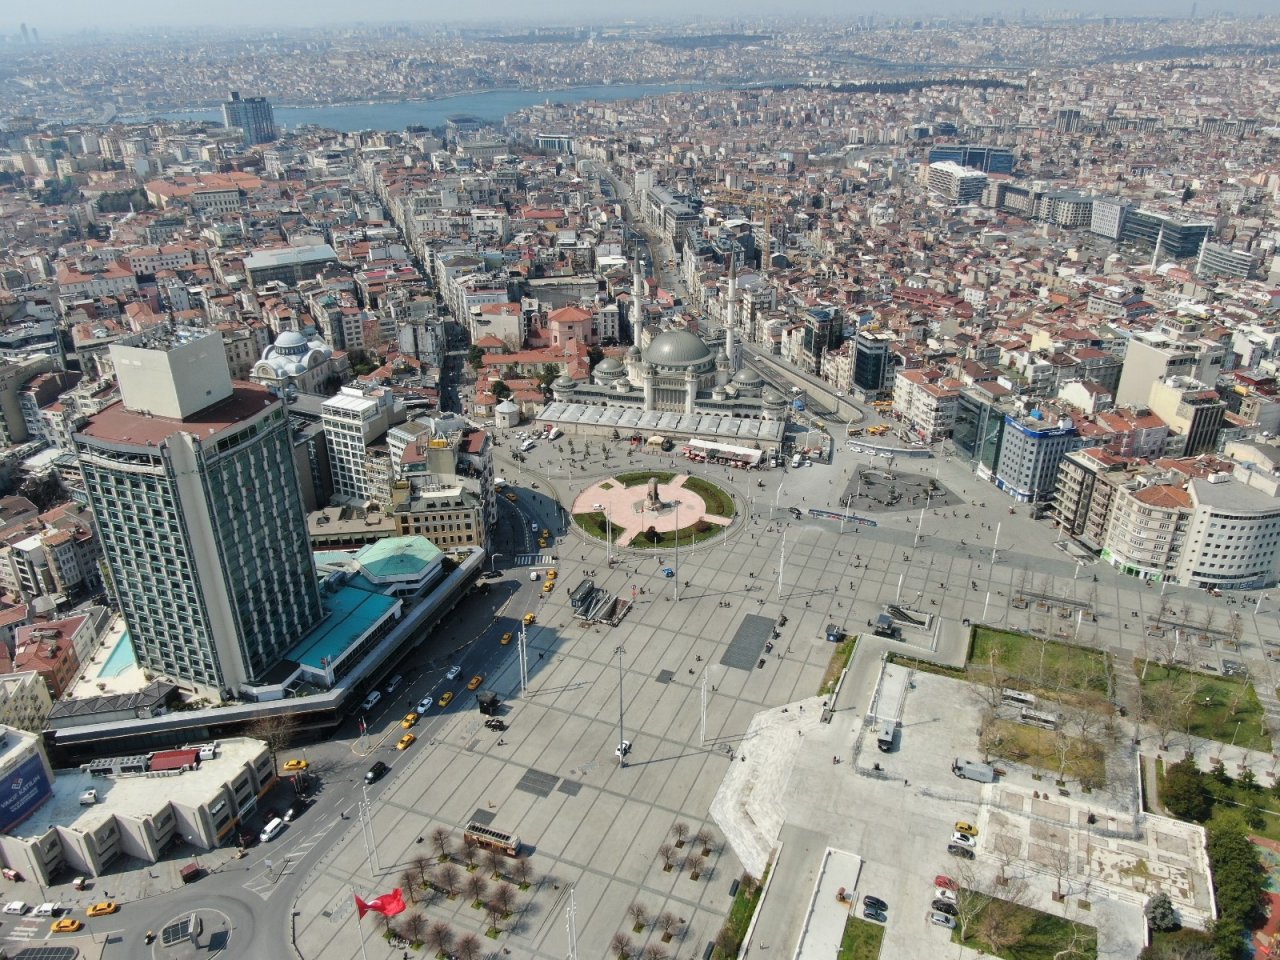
x: 296, y: 810
x: 48, y: 909
x: 295, y: 766
x: 17, y: 907
x: 963, y: 826
x: 875, y: 915
x: 942, y: 920
x: 945, y: 906
x: 942, y: 880
x: 963, y: 839
x: 964, y: 853
x: 874, y: 903
x: 944, y: 893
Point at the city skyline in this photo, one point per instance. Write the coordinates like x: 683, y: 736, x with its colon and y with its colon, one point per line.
x: 79, y: 15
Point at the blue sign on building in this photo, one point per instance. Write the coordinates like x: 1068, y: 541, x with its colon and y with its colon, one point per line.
x: 22, y: 791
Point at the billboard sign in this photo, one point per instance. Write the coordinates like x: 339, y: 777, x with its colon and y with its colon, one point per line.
x: 22, y: 791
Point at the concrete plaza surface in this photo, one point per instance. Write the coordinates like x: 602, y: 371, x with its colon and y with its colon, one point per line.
x: 763, y: 780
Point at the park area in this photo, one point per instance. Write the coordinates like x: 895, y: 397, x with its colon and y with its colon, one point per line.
x: 654, y: 509
x: 1002, y: 928
x: 1225, y: 709
x: 861, y: 940
x: 1046, y: 668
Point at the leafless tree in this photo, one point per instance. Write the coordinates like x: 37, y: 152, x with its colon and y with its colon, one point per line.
x: 475, y: 886
x: 695, y: 862
x: 1003, y: 926
x: 522, y: 871
x: 447, y: 876
x: 702, y: 839
x: 1059, y: 864
x: 470, y: 850
x: 493, y: 912
x: 493, y: 861
x: 668, y: 854
x: 654, y: 951
x: 504, y: 895
x: 439, y: 937
x: 680, y: 830
x: 620, y: 946
x: 669, y: 924
x: 414, y: 926
x: 470, y: 947
x: 440, y: 838
x: 970, y: 900
x: 423, y: 866
x: 276, y: 730
x: 1077, y: 946
x: 639, y: 914
x: 409, y: 880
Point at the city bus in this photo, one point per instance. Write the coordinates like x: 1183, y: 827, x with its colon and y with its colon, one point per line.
x: 483, y: 836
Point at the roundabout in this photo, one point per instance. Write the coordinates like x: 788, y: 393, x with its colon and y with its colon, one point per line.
x: 653, y: 509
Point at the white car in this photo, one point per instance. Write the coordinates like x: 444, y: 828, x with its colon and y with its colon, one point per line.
x: 533, y: 574
x: 964, y: 840
x: 945, y: 893
x: 942, y: 920
x: 423, y: 705
x: 16, y: 907
x: 622, y: 749
x: 452, y: 674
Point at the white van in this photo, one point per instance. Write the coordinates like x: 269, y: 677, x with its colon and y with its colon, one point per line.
x: 47, y: 910
x: 527, y: 446
x: 15, y: 907
x: 371, y: 701
x: 271, y: 830
x: 796, y: 460
x: 395, y: 682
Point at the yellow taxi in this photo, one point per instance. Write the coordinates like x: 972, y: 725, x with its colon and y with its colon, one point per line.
x: 102, y: 909
x: 405, y: 742
x: 512, y: 497
x: 66, y: 925
x: 548, y: 586
x: 295, y: 766
x: 965, y: 827
x: 474, y: 682
x: 409, y: 720
x: 551, y: 574
x: 529, y: 618
x: 506, y: 638
x: 546, y: 533
x: 542, y: 542
x: 446, y: 698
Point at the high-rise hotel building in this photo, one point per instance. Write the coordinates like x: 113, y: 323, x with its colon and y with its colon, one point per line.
x: 253, y: 115
x: 193, y: 489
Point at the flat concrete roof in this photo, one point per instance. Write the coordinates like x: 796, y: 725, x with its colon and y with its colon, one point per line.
x: 134, y: 796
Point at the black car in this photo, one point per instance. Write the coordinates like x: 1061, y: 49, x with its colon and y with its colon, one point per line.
x: 945, y: 906
x: 874, y: 903
x: 376, y: 772
x: 296, y: 809
x: 964, y: 853
x: 875, y: 915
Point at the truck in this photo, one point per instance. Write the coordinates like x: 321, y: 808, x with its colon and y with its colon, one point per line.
x: 555, y: 433
x: 972, y: 770
x: 884, y: 735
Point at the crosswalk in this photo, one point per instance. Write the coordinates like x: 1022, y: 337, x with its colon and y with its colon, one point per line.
x: 534, y: 560
x: 28, y: 928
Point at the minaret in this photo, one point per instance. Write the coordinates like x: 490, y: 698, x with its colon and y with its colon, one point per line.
x: 728, y: 349
x: 637, y: 285
x: 731, y: 309
x: 690, y: 389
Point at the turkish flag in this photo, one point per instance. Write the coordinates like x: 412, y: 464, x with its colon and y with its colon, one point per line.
x: 389, y: 904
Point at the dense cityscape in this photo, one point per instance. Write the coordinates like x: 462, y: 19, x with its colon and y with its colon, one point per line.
x: 843, y: 454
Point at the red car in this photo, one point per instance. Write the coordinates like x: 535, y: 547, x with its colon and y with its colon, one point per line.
x: 942, y: 880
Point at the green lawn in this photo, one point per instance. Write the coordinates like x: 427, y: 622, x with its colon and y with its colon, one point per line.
x: 740, y: 913
x: 638, y: 477
x: 1042, y: 935
x: 702, y: 530
x: 596, y: 525
x: 861, y: 940
x: 1020, y: 743
x: 1219, y: 708
x: 1259, y: 805
x: 840, y: 658
x: 1046, y: 667
x: 719, y: 502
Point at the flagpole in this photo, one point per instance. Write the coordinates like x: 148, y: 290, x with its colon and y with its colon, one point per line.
x: 359, y: 930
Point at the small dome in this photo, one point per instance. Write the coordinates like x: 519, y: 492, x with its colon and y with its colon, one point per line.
x: 291, y: 342
x: 507, y: 407
x: 564, y: 382
x: 770, y: 395
x: 721, y: 356
x: 609, y: 365
x: 748, y: 378
x: 677, y: 348
x: 634, y: 351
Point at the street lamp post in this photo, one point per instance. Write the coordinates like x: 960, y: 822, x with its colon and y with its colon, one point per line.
x: 608, y: 537
x: 493, y: 559
x: 776, y: 495
x: 622, y: 752
x: 677, y: 553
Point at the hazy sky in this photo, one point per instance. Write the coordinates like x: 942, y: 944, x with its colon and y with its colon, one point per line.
x: 70, y: 15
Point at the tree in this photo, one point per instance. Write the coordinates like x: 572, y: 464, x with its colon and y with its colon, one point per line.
x: 439, y: 937
x: 1184, y: 793
x: 639, y: 914
x: 620, y: 946
x: 702, y: 839
x: 413, y: 926
x: 447, y: 877
x: 522, y: 871
x: 654, y: 951
x: 408, y: 880
x: 423, y: 866
x: 504, y: 895
x: 970, y: 901
x: 669, y: 924
x: 594, y: 356
x: 475, y: 357
x: 469, y: 947
x: 680, y: 830
x: 1003, y: 925
x: 668, y: 854
x: 440, y: 840
x: 1183, y: 945
x: 470, y: 850
x: 493, y: 913
x: 500, y: 390
x: 475, y: 886
x: 1238, y: 882
x: 276, y: 731
x: 1160, y: 913
x: 695, y: 862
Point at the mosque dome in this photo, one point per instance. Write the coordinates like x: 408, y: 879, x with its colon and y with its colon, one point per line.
x: 677, y: 348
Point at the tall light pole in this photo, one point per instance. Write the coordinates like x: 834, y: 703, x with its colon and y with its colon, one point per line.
x: 608, y: 540
x: 704, y: 706
x: 776, y: 495
x: 622, y: 752
x: 571, y: 924
x: 782, y: 562
x: 996, y: 545
x: 493, y: 559
x: 523, y: 641
x: 677, y: 553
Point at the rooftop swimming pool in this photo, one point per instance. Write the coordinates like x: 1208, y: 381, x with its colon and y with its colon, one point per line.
x: 121, y: 658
